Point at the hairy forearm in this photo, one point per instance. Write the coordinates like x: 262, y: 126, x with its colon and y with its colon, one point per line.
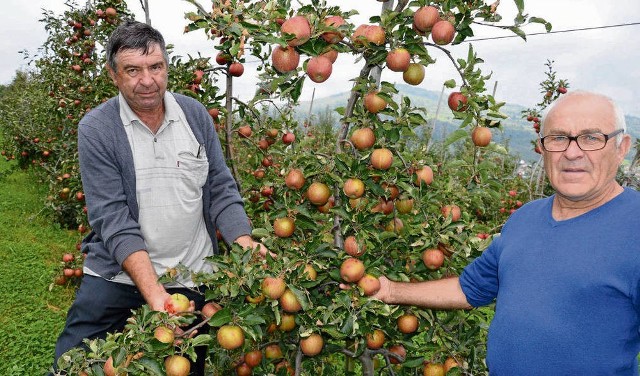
x: 138, y: 266
x: 444, y: 293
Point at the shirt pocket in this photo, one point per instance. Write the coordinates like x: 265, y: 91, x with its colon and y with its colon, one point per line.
x: 194, y: 169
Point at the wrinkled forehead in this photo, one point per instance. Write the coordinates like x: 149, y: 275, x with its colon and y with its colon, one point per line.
x: 579, y: 114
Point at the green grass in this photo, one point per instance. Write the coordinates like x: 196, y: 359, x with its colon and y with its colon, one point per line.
x: 31, y: 316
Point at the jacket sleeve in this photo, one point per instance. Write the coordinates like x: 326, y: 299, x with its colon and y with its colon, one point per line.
x: 105, y: 189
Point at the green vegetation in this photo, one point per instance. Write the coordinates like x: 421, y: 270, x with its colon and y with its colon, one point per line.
x: 30, y: 246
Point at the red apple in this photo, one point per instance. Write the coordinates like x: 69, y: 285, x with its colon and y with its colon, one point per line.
x: 369, y: 284
x: 333, y: 36
x: 351, y: 270
x: 164, y: 334
x: 398, y: 60
x: 374, y: 103
x: 177, y: 365
x: 457, y: 101
x: 230, y: 337
x: 311, y: 345
x: 288, y: 137
x: 289, y: 302
x: 177, y: 303
x: 245, y: 131
x: 433, y: 258
x: 381, y: 159
x: 294, y: 179
x: 210, y: 309
x: 318, y: 193
x: 273, y: 351
x: 284, y: 227
x: 398, y: 350
x: 287, y: 322
x: 443, y: 32
x: 285, y: 59
x: 273, y: 287
x: 236, y: 69
x: 408, y: 323
x: 375, y: 339
x: 319, y: 68
x: 353, y: 188
x: 424, y: 175
x: 481, y: 136
x: 451, y: 211
x: 363, y: 138
x: 425, y: 17
x: 330, y: 54
x: 299, y: 27
x: 352, y: 247
x: 223, y: 58
x: 253, y: 358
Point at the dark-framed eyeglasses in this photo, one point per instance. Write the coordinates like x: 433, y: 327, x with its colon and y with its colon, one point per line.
x: 586, y: 142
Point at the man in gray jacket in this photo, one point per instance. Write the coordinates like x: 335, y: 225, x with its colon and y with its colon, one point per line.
x: 157, y: 189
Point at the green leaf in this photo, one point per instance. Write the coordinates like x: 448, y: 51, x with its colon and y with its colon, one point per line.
x: 517, y: 31
x: 450, y: 84
x: 151, y: 366
x: 519, y: 5
x: 455, y: 136
x: 221, y: 317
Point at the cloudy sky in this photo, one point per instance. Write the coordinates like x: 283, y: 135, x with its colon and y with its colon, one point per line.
x: 603, y: 58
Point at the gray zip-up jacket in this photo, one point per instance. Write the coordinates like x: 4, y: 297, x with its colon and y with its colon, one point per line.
x: 109, y: 183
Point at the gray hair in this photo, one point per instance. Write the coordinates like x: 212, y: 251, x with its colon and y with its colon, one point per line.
x: 134, y: 35
x: 618, y: 114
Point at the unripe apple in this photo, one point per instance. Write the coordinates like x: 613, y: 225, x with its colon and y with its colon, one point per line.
x: 404, y: 206
x: 319, y: 68
x: 312, y: 345
x: 398, y: 60
x: 481, y: 136
x: 352, y: 270
x: 443, y: 32
x: 284, y: 227
x: 285, y: 59
x: 299, y: 27
x: 363, y: 138
x: 433, y: 258
x: 414, y: 74
x: 273, y: 287
x: 381, y: 159
x: 230, y: 337
x: 374, y: 103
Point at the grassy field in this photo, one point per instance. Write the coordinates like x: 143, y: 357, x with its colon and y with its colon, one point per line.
x: 30, y: 250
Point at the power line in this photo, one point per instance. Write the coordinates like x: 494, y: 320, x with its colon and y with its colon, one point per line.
x: 555, y: 32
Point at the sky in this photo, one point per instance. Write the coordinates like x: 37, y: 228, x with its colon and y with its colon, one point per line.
x: 604, y: 59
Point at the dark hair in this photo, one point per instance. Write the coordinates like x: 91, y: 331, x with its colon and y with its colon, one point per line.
x: 133, y: 35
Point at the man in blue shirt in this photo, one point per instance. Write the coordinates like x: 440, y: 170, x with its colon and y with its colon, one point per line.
x: 565, y: 271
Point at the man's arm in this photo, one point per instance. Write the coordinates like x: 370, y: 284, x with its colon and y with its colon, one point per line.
x: 138, y: 266
x: 443, y: 293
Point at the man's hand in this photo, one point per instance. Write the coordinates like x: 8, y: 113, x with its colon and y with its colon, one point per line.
x: 246, y: 241
x: 385, y: 290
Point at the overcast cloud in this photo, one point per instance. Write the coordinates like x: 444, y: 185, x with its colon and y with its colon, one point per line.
x: 603, y: 60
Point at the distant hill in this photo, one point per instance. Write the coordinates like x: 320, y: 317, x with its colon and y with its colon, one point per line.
x: 516, y: 131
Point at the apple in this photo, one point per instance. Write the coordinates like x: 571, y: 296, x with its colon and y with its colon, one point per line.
x: 331, y: 202
x: 383, y: 206
x: 368, y: 34
x: 414, y: 74
x: 263, y: 144
x: 433, y: 258
x: 374, y: 103
x: 318, y: 193
x: 381, y: 159
x: 443, y: 32
x: 398, y: 350
x: 273, y: 287
x: 457, y: 101
x: 369, y: 284
x: 363, y: 138
x: 177, y: 365
x: 214, y: 113
x: 287, y: 367
x: 481, y: 136
x: 273, y: 351
x: 245, y: 131
x: 398, y: 60
x: 396, y: 225
x: 236, y: 69
x: 425, y: 17
x: 199, y: 74
x: 331, y: 54
x: 177, y: 303
x: 294, y: 179
x: 391, y: 190
x: 288, y: 137
x: 287, y: 322
x: 164, y: 334
x: 210, y: 309
x: 451, y: 211
x: 408, y: 323
x: 243, y: 369
x: 404, y: 206
x: 433, y: 369
x: 223, y: 58
x: 311, y: 345
x: 351, y: 270
x: 284, y: 227
x: 319, y: 68
x: 289, y: 302
x: 253, y: 358
x: 110, y: 12
x: 68, y: 257
x: 449, y: 363
x: 352, y: 248
x: 333, y: 22
x: 561, y: 90
x: 310, y: 272
x: 424, y: 175
x: 353, y: 188
x: 285, y: 59
x: 375, y: 339
x: 230, y: 337
x: 299, y: 27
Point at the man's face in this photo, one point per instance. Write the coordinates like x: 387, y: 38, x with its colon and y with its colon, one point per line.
x: 575, y: 174
x: 142, y: 79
